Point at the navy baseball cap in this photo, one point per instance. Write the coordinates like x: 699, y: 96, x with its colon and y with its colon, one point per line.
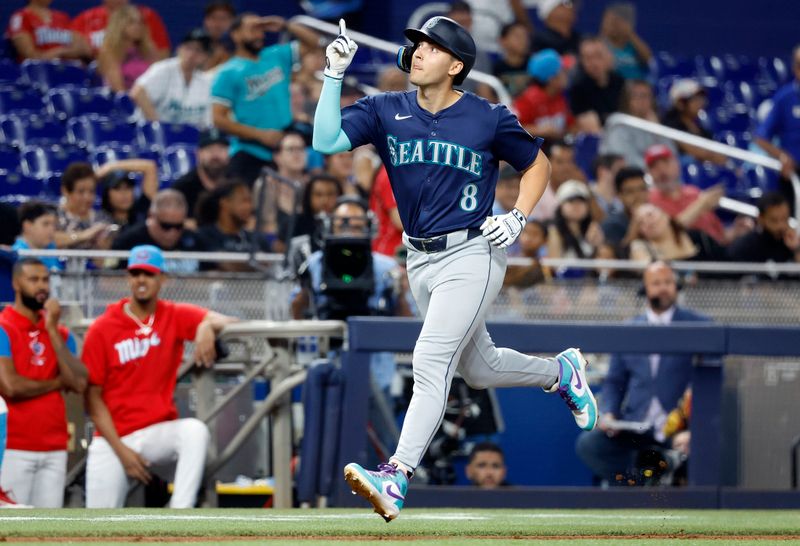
x: 200, y: 36
x: 146, y: 257
x: 211, y: 136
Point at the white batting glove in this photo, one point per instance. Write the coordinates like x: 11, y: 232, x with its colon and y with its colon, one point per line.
x: 502, y: 230
x: 339, y: 53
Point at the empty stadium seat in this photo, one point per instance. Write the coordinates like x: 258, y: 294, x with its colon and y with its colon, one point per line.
x: 711, y: 66
x: 585, y: 151
x: 47, y: 161
x: 669, y: 65
x: 737, y: 119
x: 21, y: 101
x: 774, y: 69
x: 35, y: 130
x: 67, y: 102
x: 714, y: 174
x: 93, y: 131
x: 9, y: 159
x: 47, y: 74
x: 9, y: 72
x: 124, y: 105
x: 179, y: 160
x: 732, y: 138
x: 740, y: 68
x: 18, y: 184
x: 159, y: 136
x: 761, y: 178
x: 104, y: 154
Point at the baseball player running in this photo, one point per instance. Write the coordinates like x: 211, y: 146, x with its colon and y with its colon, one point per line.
x: 441, y: 147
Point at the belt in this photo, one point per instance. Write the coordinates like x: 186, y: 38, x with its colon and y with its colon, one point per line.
x: 443, y: 242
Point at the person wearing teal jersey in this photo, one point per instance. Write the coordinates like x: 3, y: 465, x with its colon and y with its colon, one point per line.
x: 250, y: 94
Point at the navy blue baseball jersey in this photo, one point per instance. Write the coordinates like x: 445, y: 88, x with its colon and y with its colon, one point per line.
x: 443, y: 167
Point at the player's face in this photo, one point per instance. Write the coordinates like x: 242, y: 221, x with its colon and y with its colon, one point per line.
x: 144, y: 285
x: 41, y: 231
x: 432, y: 65
x: 660, y: 286
x: 487, y: 469
x: 32, y: 284
x: 775, y: 220
x: 81, y: 198
x: 323, y: 197
x: 633, y: 193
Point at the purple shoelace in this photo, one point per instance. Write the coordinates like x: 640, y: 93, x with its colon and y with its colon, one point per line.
x: 565, y: 393
x: 386, y: 470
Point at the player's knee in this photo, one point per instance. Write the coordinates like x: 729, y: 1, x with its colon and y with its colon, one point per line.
x: 195, y: 431
x: 474, y: 380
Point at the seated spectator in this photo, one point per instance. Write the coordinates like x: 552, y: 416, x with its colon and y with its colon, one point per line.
x: 689, y: 205
x: 633, y: 192
x: 127, y: 49
x: 164, y: 228
x: 92, y: 24
x: 212, y: 162
x: 772, y: 240
x: 604, y: 191
x: 632, y: 55
x: 225, y: 216
x: 79, y: 225
x: 542, y: 108
x: 559, y: 31
x: 688, y: 98
x: 176, y: 90
x: 596, y: 90
x: 573, y: 233
x: 37, y: 32
x: 382, y: 203
x: 118, y: 199
x: 291, y: 157
x: 133, y: 352
x: 532, y: 241
x: 639, y: 389
x: 218, y: 17
x: 659, y: 237
x: 487, y: 466
x: 562, y: 168
x: 638, y: 101
x: 341, y: 166
x: 490, y: 16
x: 38, y: 221
x: 512, y: 67
x: 505, y: 197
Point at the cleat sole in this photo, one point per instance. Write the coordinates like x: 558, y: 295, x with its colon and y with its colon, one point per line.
x: 363, y: 488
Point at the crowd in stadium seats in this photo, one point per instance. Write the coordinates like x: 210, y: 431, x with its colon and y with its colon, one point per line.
x: 96, y: 117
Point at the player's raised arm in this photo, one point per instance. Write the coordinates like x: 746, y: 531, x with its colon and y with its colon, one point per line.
x: 328, y: 135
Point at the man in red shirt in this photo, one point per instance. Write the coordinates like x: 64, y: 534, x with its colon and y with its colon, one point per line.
x: 38, y: 32
x: 382, y: 203
x: 692, y: 207
x: 37, y: 362
x: 542, y: 108
x: 92, y: 25
x: 133, y: 352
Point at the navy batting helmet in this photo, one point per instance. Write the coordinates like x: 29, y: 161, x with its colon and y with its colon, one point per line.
x: 445, y: 33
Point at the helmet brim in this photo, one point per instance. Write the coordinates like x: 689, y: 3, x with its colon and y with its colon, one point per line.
x: 416, y: 36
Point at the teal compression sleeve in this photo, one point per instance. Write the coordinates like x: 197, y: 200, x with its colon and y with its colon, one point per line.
x: 328, y: 135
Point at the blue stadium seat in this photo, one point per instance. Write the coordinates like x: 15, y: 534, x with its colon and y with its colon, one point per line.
x: 18, y: 184
x: 68, y: 102
x: 35, y: 130
x: 713, y: 175
x: 47, y: 161
x: 774, y: 69
x: 21, y: 102
x: 9, y: 72
x: 124, y: 105
x: 179, y: 160
x: 691, y: 172
x: 585, y: 151
x: 47, y: 74
x: 668, y: 65
x: 740, y: 69
x: 715, y: 94
x: 93, y: 131
x: 761, y: 178
x: 736, y: 118
x: 9, y: 159
x: 732, y: 138
x: 159, y: 136
x: 712, y: 67
x: 104, y: 154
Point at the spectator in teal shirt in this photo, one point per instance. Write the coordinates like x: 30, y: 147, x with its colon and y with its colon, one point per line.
x: 250, y: 94
x: 631, y: 54
x: 38, y: 231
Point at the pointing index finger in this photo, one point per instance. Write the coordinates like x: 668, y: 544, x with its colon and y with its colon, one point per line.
x: 342, y: 28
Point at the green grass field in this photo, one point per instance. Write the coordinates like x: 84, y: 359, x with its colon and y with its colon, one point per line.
x: 440, y: 527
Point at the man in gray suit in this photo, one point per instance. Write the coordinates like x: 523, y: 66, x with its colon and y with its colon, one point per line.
x: 640, y: 389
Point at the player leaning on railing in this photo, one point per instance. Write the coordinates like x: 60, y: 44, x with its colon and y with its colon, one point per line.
x: 441, y: 148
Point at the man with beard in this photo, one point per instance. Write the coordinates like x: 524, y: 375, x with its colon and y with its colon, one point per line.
x: 639, y: 390
x: 133, y: 352
x: 773, y: 240
x: 37, y: 362
x: 250, y: 94
x: 212, y: 161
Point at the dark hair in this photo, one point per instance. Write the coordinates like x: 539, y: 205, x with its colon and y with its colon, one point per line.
x: 306, y: 214
x: 626, y: 173
x: 32, y: 210
x: 570, y: 241
x: 74, y: 172
x: 353, y: 200
x: 485, y: 446
x: 769, y: 200
x: 459, y: 5
x: 239, y: 19
x: 207, y: 208
x: 22, y: 262
x: 110, y: 182
x: 604, y: 160
x: 509, y: 26
x: 540, y: 224
x: 216, y: 5
x: 288, y: 133
x: 625, y: 96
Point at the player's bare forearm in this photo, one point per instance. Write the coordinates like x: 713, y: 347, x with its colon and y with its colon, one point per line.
x: 139, y: 96
x: 217, y: 321
x: 101, y: 417
x: 533, y: 183
x: 18, y: 387
x: 72, y: 371
x: 221, y: 117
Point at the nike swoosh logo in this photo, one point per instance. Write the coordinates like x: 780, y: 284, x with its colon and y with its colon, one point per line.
x: 398, y: 117
x: 576, y: 379
x: 392, y: 491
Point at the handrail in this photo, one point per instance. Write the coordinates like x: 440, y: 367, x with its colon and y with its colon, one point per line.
x: 391, y: 47
x: 713, y: 146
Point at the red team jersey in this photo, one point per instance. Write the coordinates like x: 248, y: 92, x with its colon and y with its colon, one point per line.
x: 39, y: 423
x: 138, y: 370
x: 708, y: 221
x: 92, y: 24
x: 45, y: 35
x: 381, y: 202
x: 535, y: 106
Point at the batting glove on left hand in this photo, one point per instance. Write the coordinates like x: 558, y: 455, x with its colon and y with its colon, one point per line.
x: 502, y: 230
x: 339, y: 53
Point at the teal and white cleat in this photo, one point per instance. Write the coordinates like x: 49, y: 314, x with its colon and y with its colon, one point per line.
x: 385, y: 489
x: 573, y: 387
